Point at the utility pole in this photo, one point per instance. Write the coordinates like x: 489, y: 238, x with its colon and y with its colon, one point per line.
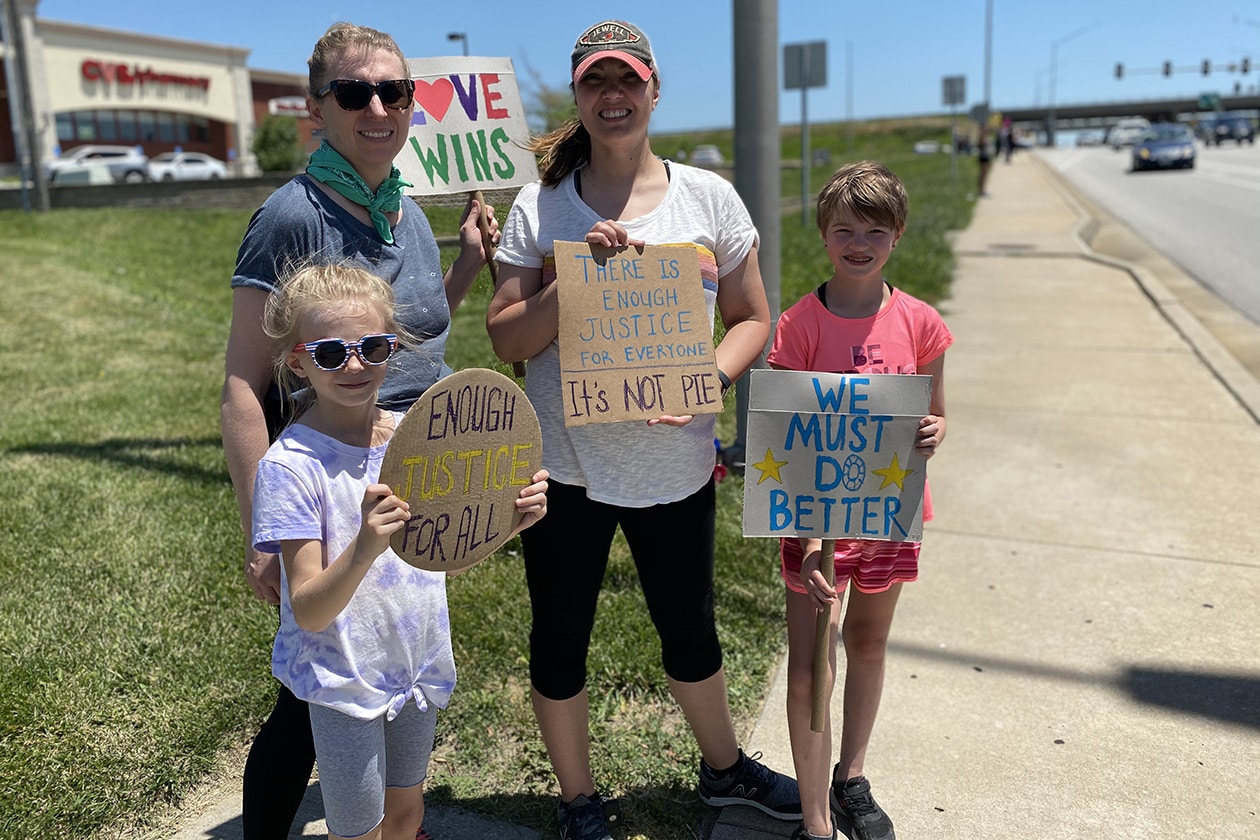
x: 756, y: 43
x: 21, y: 105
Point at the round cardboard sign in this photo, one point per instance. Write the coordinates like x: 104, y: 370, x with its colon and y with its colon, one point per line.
x: 460, y: 457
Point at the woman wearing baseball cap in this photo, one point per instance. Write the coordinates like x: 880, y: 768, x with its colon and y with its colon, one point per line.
x: 601, y: 183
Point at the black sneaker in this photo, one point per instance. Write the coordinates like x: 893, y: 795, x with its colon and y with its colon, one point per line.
x: 752, y: 783
x: 857, y: 813
x: 583, y: 819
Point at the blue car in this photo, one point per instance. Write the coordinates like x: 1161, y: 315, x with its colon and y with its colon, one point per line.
x: 1164, y: 146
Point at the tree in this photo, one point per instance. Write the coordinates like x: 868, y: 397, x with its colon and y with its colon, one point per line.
x: 276, y: 145
x: 546, y: 107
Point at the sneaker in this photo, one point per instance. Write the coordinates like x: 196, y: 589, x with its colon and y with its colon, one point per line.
x: 857, y: 813
x: 802, y: 834
x: 421, y: 834
x: 583, y: 819
x: 752, y: 783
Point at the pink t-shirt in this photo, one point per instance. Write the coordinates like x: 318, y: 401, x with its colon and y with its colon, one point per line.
x: 902, y: 337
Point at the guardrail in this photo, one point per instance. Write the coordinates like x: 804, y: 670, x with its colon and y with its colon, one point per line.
x: 228, y: 194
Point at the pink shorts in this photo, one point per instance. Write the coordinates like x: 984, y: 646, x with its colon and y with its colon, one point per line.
x: 872, y: 565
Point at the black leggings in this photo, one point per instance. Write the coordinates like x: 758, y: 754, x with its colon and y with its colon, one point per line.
x: 277, y: 770
x: 566, y: 554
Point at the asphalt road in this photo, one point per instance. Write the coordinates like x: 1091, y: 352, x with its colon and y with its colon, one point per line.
x: 1205, y: 220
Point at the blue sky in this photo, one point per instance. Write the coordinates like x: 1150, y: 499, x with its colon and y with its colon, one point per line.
x: 900, y: 50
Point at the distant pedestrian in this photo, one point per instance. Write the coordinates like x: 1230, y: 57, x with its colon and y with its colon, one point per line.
x: 364, y: 637
x: 984, y: 157
x: 854, y: 323
x: 1006, y: 139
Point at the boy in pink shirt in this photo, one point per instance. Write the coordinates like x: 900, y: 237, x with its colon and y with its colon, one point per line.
x: 854, y: 323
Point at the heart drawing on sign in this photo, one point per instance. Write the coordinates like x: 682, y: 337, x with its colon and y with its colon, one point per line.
x: 435, y: 97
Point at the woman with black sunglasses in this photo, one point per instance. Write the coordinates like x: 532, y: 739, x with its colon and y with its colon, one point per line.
x: 347, y: 205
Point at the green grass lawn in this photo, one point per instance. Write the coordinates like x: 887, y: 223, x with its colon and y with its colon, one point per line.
x: 134, y: 654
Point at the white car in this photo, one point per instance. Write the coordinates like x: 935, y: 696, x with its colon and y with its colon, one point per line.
x: 85, y: 165
x: 706, y: 155
x: 1127, y: 131
x: 186, y: 166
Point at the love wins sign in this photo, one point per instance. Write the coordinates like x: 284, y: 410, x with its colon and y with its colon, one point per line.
x: 469, y: 128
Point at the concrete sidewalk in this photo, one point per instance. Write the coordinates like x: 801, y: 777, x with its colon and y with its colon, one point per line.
x: 1081, y: 655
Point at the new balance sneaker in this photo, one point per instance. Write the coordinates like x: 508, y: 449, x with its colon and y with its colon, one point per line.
x: 857, y: 813
x: 583, y: 819
x: 754, y: 784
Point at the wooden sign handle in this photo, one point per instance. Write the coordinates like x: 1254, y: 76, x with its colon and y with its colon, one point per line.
x: 483, y: 224
x: 822, y: 644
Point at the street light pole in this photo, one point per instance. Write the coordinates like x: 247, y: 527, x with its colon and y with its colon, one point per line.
x: 1054, y: 77
x: 462, y: 37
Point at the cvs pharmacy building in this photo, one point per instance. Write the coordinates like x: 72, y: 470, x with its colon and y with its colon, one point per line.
x: 100, y: 86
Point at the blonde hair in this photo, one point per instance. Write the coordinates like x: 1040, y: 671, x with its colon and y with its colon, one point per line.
x: 313, y: 288
x: 867, y: 189
x: 342, y: 40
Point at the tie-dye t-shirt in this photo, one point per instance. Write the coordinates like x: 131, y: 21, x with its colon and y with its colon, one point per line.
x: 392, y: 642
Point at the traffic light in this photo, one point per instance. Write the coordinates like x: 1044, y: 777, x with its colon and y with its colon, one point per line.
x: 1167, y: 68
x: 1207, y: 67
x: 1120, y: 70
x: 1246, y: 65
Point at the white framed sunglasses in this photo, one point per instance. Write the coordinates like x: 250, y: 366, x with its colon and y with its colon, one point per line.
x: 334, y: 353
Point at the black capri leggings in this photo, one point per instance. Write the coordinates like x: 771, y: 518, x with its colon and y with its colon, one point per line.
x: 566, y: 554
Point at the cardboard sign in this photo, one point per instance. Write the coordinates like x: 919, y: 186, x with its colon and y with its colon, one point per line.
x: 460, y: 457
x: 469, y: 130
x: 635, y: 340
x: 831, y: 456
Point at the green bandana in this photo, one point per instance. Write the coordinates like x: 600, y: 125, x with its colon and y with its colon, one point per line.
x: 328, y: 167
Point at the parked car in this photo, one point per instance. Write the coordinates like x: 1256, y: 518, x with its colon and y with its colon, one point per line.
x: 1127, y: 131
x: 1164, y: 146
x: 124, y: 164
x: 706, y: 155
x: 1222, y: 127
x: 927, y: 147
x: 186, y: 166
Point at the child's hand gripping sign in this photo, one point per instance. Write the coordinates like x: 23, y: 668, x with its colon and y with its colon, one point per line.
x: 635, y: 340
x: 460, y: 457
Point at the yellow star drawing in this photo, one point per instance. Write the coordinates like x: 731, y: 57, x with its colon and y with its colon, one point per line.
x: 770, y: 467
x: 893, y: 474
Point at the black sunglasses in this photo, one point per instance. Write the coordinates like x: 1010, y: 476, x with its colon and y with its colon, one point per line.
x: 333, y: 353
x: 354, y: 95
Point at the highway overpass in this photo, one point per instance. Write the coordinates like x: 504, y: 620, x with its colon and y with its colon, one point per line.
x: 1102, y: 115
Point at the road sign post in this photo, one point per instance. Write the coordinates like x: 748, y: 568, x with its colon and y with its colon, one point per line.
x: 953, y: 94
x: 805, y: 66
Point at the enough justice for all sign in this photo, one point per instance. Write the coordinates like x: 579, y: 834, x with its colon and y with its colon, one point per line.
x: 831, y: 456
x: 635, y: 339
x: 460, y: 457
x: 469, y: 130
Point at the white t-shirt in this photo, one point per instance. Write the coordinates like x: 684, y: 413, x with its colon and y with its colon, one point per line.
x: 629, y: 464
x: 392, y: 642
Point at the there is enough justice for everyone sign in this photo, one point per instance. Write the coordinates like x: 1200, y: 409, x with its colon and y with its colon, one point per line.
x: 469, y: 130
x: 460, y: 457
x: 635, y: 339
x: 831, y: 456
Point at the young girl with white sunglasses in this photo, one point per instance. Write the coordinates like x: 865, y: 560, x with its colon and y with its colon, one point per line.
x: 364, y: 637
